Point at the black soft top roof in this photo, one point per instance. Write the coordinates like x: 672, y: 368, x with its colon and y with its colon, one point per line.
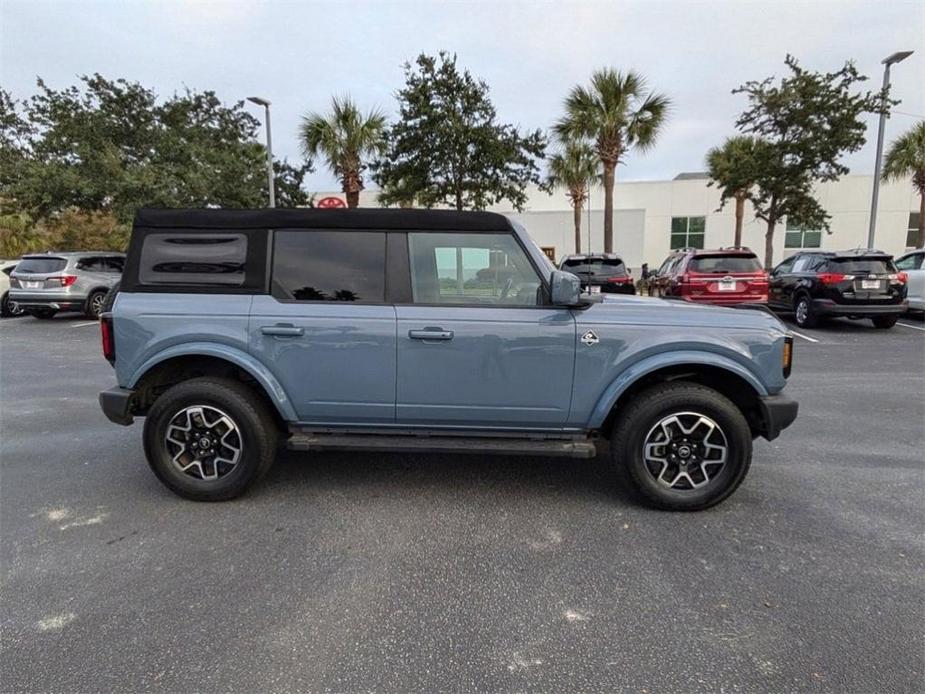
x: 307, y: 218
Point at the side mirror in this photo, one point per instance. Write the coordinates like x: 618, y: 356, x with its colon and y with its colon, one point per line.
x: 565, y: 288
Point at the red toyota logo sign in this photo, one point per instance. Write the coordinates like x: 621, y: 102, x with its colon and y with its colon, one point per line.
x: 331, y: 203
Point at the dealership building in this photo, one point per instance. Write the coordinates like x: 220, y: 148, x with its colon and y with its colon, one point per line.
x: 653, y: 217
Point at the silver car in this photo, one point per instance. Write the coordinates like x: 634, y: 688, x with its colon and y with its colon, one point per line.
x: 913, y: 264
x: 43, y: 284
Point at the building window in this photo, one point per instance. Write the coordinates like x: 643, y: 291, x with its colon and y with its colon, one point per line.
x: 550, y: 252
x: 687, y: 232
x: 913, y: 237
x: 799, y: 236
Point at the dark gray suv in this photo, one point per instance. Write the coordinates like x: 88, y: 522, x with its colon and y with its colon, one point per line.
x: 43, y: 284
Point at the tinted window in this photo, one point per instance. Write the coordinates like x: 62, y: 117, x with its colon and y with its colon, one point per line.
x: 603, y: 267
x: 114, y: 264
x: 329, y: 266
x: 850, y: 266
x: 724, y: 263
x: 216, y: 259
x: 486, y: 269
x: 41, y: 266
x: 785, y: 267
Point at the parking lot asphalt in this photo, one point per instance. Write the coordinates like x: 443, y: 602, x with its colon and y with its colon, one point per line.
x: 349, y: 572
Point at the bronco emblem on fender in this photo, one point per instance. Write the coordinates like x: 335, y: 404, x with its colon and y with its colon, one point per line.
x: 589, y: 338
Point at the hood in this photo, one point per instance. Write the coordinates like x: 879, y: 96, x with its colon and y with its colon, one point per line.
x: 644, y: 310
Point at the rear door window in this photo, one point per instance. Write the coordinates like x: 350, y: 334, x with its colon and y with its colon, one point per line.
x: 329, y: 266
x: 92, y: 264
x: 724, y: 263
x: 910, y: 262
x: 40, y: 266
x: 207, y: 259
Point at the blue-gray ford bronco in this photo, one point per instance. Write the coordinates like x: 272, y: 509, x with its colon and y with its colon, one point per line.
x: 234, y: 332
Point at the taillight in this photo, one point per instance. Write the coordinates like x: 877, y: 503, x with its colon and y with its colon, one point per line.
x: 833, y: 277
x: 65, y: 280
x: 108, y: 338
x: 620, y: 280
x: 900, y: 277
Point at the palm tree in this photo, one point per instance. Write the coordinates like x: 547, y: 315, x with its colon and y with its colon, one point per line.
x: 906, y: 157
x: 344, y: 138
x: 734, y: 167
x: 616, y: 113
x: 574, y: 167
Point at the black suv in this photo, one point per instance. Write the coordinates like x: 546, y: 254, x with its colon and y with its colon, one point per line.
x: 861, y: 283
x: 602, y: 273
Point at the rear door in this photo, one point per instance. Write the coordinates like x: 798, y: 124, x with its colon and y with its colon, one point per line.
x: 477, y: 344
x: 914, y: 267
x: 326, y: 331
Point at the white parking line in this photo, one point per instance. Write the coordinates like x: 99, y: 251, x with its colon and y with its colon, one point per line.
x: 84, y: 325
x: 914, y: 327
x: 805, y: 337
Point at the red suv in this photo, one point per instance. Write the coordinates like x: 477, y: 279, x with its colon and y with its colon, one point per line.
x: 724, y: 276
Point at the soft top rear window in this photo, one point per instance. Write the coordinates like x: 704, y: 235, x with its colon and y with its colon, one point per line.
x: 851, y: 266
x: 40, y: 266
x: 595, y: 266
x: 208, y: 259
x: 724, y: 263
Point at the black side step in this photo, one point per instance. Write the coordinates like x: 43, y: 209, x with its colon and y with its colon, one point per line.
x: 442, y: 444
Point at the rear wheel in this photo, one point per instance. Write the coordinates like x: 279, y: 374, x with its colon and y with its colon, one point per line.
x: 803, y: 313
x: 686, y: 447
x: 209, y: 439
x: 884, y: 322
x: 94, y: 305
x: 43, y: 313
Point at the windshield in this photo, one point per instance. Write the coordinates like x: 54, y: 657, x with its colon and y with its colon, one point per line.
x: 724, y: 263
x: 853, y: 266
x: 40, y: 266
x: 595, y: 266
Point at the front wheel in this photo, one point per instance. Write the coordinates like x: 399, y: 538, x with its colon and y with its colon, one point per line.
x: 884, y: 322
x: 209, y: 439
x: 686, y: 447
x: 804, y: 314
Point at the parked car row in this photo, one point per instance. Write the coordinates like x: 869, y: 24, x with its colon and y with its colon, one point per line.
x: 42, y: 284
x: 811, y: 285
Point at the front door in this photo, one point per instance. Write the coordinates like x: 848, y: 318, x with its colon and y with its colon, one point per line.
x: 477, y: 347
x: 325, y: 330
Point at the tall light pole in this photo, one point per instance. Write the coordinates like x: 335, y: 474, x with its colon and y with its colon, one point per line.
x: 266, y: 105
x: 884, y: 114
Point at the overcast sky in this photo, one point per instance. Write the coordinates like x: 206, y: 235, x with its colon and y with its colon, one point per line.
x: 297, y: 54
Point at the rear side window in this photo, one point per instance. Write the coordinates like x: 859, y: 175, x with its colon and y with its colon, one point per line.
x: 214, y: 259
x: 92, y: 264
x: 724, y: 263
x: 851, y: 266
x: 41, y: 266
x: 329, y: 266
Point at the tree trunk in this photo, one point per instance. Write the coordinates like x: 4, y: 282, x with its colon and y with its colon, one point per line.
x: 459, y: 199
x: 609, y: 178
x: 740, y: 214
x: 576, y: 213
x: 769, y: 244
x: 353, y: 198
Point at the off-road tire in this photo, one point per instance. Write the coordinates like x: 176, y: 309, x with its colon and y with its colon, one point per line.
x: 247, y: 410
x: 635, y: 421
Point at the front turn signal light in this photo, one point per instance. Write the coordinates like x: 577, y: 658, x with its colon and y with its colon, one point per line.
x: 787, y: 356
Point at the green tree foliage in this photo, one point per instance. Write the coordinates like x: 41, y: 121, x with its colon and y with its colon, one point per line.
x: 110, y: 146
x: 735, y: 167
x: 574, y: 167
x: 905, y: 158
x: 616, y: 113
x: 808, y: 121
x: 345, y: 138
x: 448, y: 146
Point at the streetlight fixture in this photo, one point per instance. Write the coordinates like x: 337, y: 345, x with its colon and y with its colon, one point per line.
x: 884, y: 114
x: 266, y: 105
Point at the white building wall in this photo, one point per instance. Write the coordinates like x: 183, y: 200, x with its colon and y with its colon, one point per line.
x: 643, y: 212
